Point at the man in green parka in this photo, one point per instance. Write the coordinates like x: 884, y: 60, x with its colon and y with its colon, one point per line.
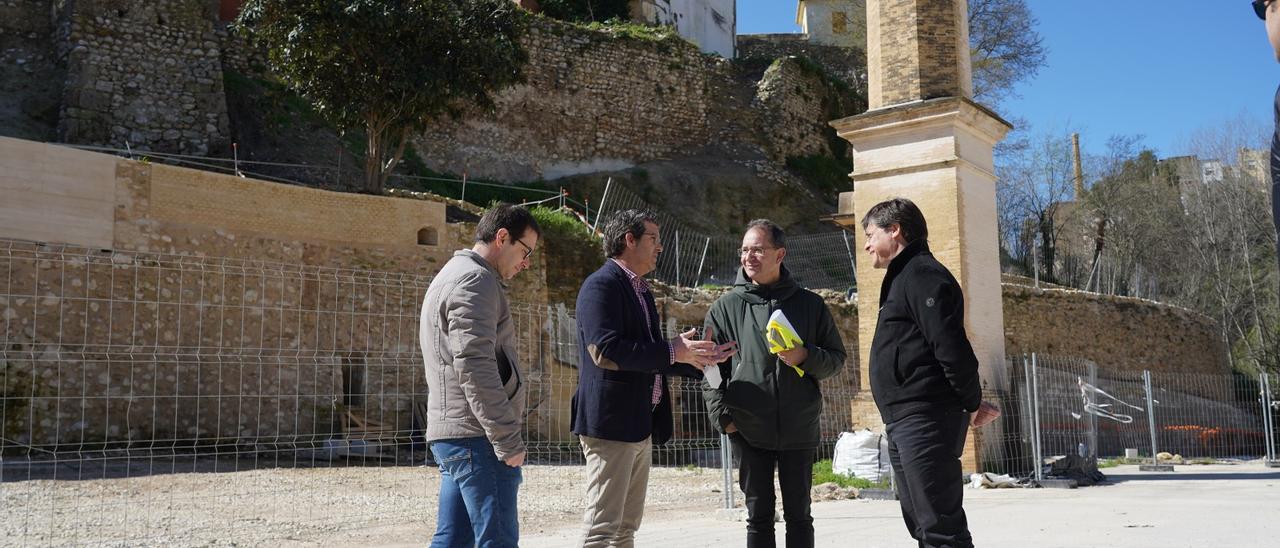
x: 769, y: 404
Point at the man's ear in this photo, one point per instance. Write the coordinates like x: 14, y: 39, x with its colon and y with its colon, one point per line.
x: 782, y: 254
x: 501, y: 234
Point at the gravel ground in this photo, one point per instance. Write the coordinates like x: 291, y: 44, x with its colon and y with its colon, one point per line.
x: 291, y: 506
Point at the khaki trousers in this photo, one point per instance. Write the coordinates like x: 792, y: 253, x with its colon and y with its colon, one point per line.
x: 617, y: 480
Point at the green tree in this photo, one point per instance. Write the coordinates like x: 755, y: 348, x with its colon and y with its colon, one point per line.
x: 390, y: 67
x: 585, y: 11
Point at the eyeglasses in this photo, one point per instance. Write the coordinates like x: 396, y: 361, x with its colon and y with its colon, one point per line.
x: 1260, y: 8
x: 527, y: 250
x: 754, y: 251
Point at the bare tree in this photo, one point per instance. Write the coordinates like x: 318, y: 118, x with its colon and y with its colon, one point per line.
x: 1035, y: 195
x: 1005, y: 47
x: 1232, y: 243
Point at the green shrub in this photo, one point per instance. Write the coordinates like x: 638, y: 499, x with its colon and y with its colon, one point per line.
x: 823, y: 173
x: 561, y: 226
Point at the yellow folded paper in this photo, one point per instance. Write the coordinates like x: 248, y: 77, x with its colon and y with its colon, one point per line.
x: 782, y: 336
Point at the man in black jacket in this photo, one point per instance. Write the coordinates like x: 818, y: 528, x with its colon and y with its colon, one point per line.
x: 924, y: 374
x: 1269, y: 12
x: 770, y: 404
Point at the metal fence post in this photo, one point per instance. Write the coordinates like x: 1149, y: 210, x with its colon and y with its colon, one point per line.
x: 1035, y: 420
x: 1155, y: 465
x: 697, y: 279
x: 1093, y: 418
x: 726, y: 470
x: 849, y: 250
x: 1268, y: 420
x: 608, y: 183
x: 677, y: 258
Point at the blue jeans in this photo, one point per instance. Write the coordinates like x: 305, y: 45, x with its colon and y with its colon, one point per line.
x: 477, y: 496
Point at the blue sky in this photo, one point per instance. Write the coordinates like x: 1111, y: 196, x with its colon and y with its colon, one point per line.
x: 1162, y: 69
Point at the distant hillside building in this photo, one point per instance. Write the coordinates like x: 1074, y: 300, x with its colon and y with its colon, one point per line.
x: 833, y: 22
x: 711, y: 24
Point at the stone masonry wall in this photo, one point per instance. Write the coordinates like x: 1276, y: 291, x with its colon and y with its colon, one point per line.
x: 794, y: 118
x: 847, y: 64
x: 21, y: 17
x: 30, y: 76
x: 146, y: 74
x: 149, y: 75
x: 187, y: 333
x: 591, y: 101
x: 1118, y: 333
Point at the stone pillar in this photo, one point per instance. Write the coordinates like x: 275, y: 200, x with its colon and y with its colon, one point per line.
x: 926, y: 140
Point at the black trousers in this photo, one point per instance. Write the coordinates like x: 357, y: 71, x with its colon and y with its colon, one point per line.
x: 925, y: 452
x: 755, y: 477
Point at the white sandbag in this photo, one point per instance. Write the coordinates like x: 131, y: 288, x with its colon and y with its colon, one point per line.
x: 863, y: 454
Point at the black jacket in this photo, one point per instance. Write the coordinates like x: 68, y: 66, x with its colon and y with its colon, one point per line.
x: 920, y: 356
x: 772, y: 406
x: 618, y: 356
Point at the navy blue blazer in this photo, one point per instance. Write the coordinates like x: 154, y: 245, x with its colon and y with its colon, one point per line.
x: 618, y: 356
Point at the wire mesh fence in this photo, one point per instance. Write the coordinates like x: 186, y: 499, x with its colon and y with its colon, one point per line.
x: 332, y: 176
x: 692, y: 258
x: 144, y: 368
x: 1058, y: 406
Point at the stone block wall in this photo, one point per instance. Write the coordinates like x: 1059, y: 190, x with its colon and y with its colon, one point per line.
x: 1120, y: 334
x: 288, y: 211
x: 147, y: 74
x: 591, y: 101
x: 202, y: 329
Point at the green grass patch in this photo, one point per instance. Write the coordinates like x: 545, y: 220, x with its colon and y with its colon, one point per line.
x: 822, y: 473
x: 1112, y: 463
x: 561, y: 225
x: 632, y: 31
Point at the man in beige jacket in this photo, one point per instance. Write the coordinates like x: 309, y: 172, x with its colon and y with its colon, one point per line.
x: 476, y: 397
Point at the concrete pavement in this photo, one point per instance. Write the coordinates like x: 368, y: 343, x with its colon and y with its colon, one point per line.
x: 1217, y: 506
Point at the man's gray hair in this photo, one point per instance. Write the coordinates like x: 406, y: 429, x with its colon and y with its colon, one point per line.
x: 621, y: 223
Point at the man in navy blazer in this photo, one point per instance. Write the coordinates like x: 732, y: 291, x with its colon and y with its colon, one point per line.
x: 623, y: 405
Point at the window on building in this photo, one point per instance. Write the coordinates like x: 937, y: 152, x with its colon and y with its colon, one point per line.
x: 839, y: 23
x: 428, y: 236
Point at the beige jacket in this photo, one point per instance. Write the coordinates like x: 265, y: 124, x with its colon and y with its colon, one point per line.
x: 466, y: 332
